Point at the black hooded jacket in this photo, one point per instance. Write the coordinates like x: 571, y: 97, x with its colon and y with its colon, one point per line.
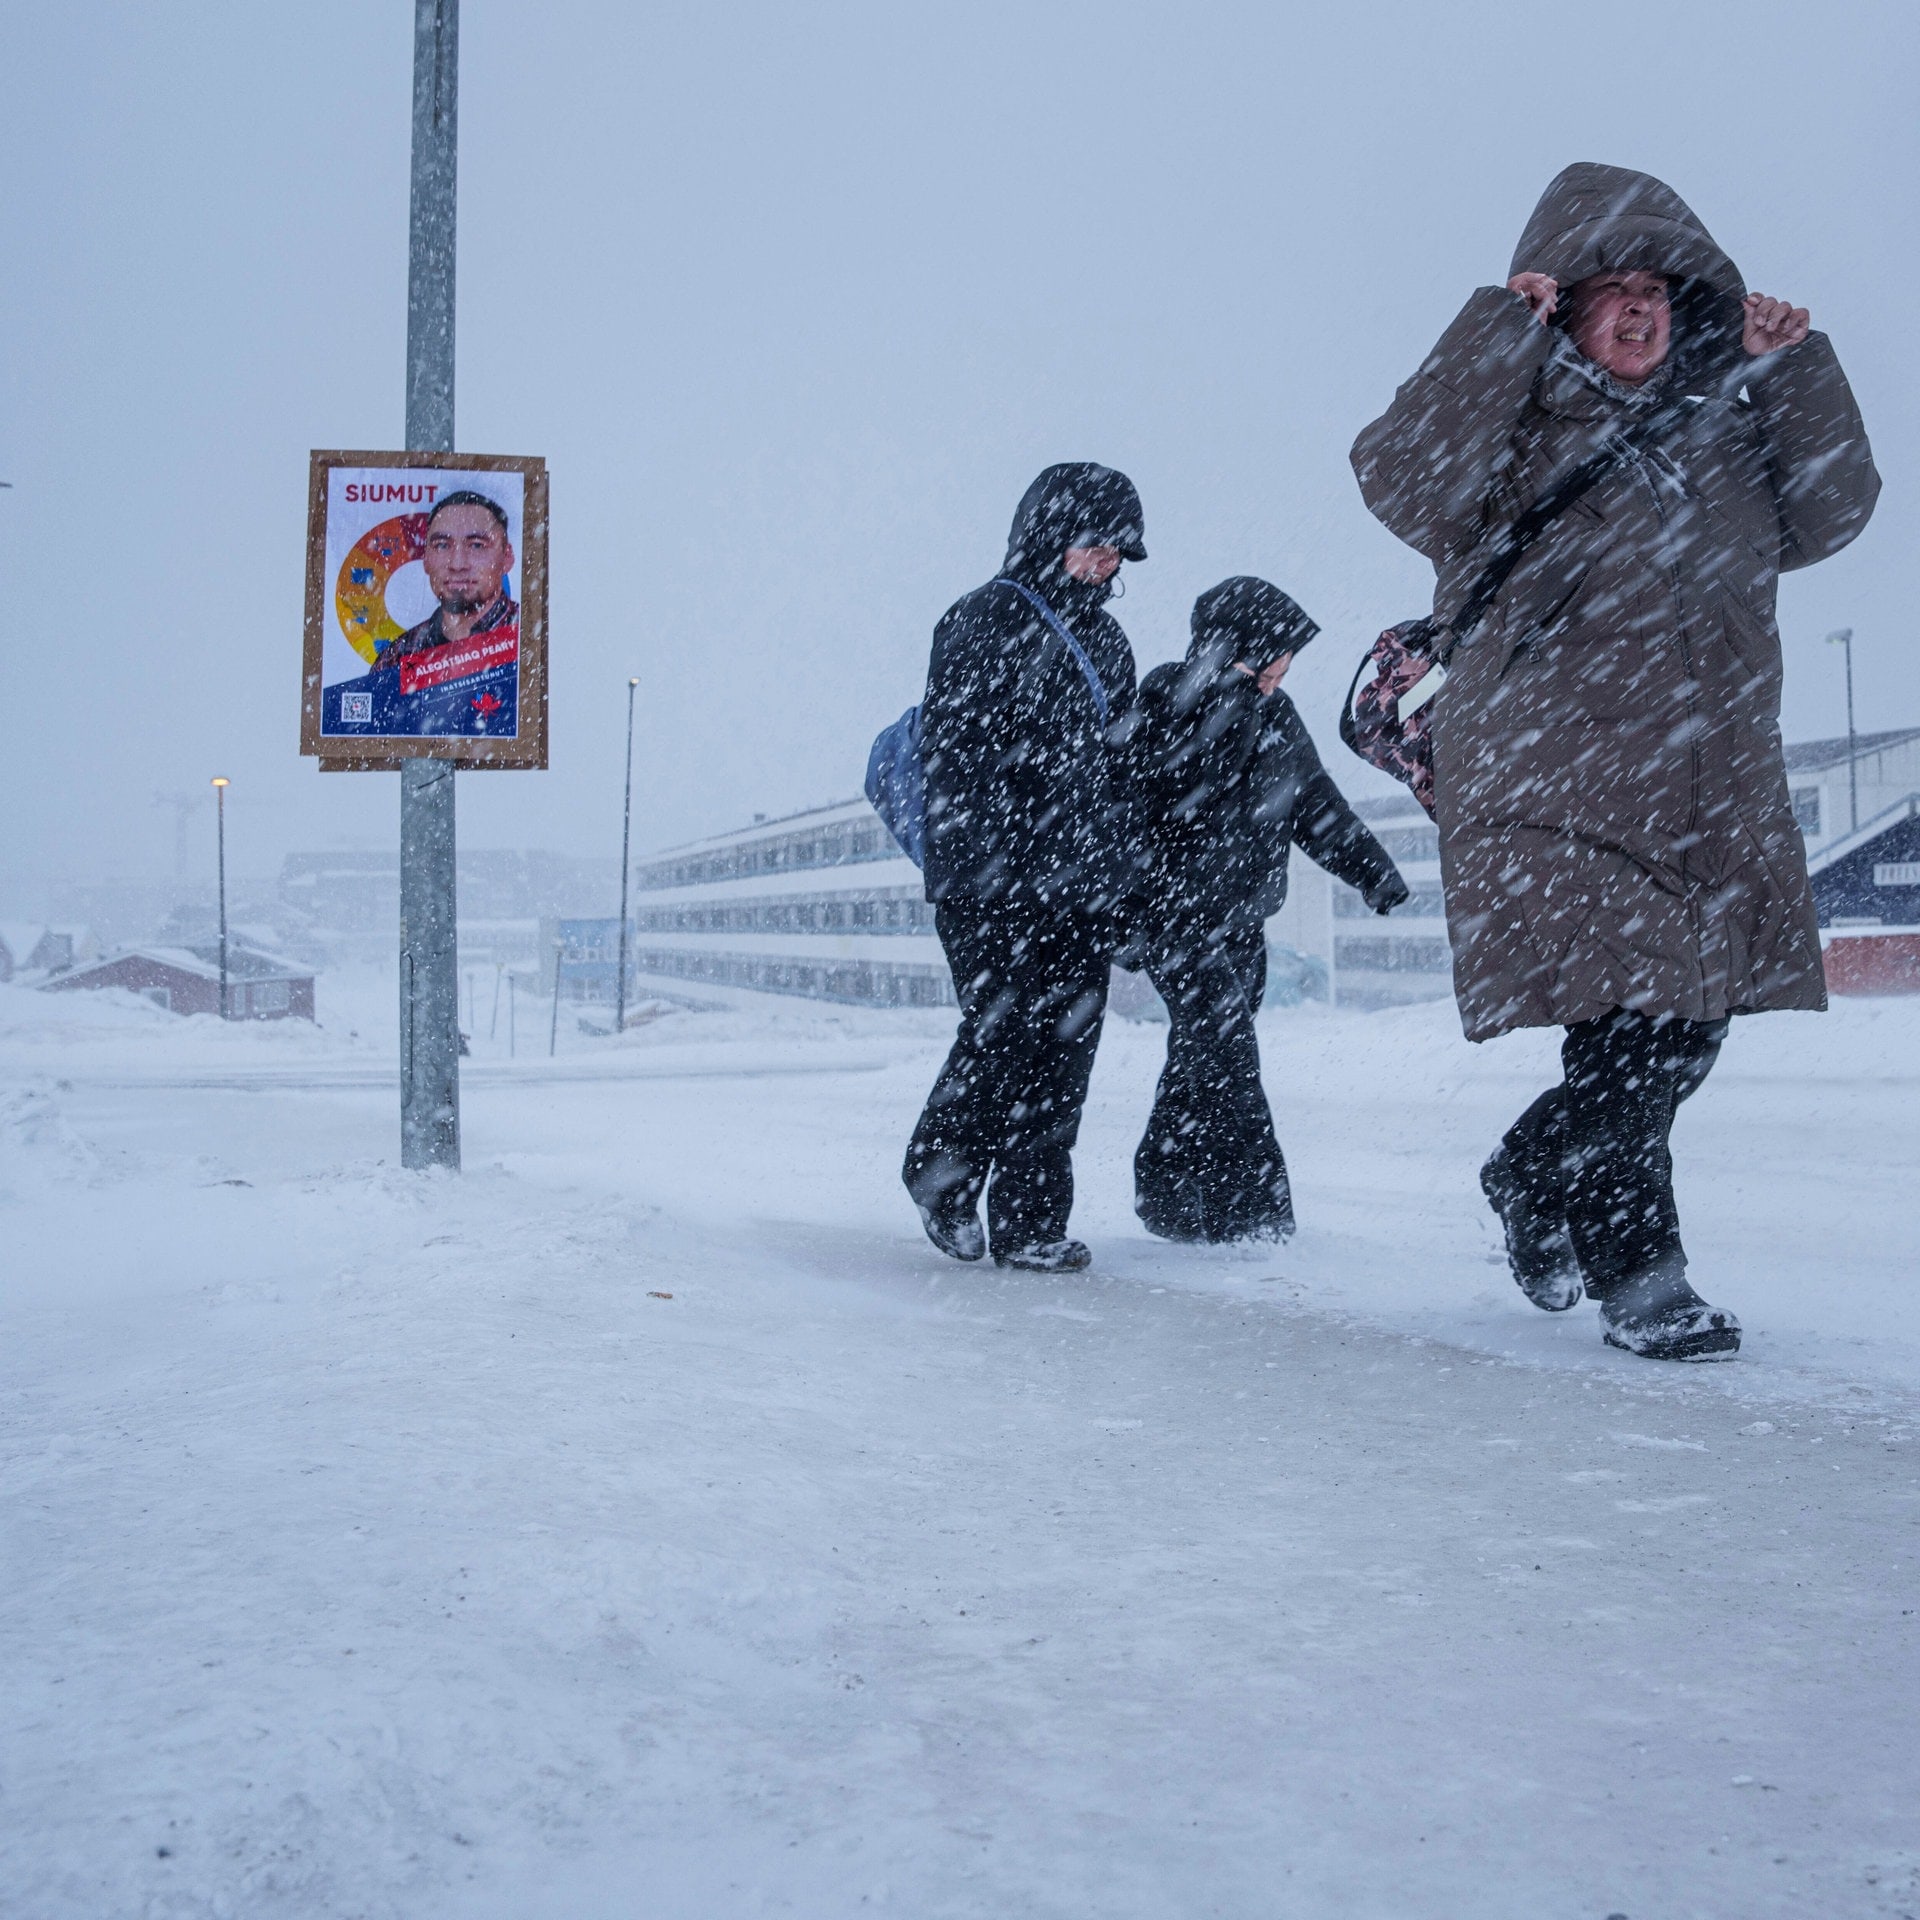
x: 1026, y: 798
x: 1228, y: 780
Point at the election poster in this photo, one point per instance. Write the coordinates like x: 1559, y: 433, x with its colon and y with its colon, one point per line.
x: 426, y: 621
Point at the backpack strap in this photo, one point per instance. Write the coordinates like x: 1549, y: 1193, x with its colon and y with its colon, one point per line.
x: 1614, y: 452
x: 1074, y: 647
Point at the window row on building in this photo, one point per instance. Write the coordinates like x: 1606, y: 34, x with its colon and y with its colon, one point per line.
x: 870, y: 983
x: 833, y: 836
x: 897, y: 910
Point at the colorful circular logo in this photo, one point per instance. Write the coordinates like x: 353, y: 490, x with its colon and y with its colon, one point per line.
x: 360, y: 593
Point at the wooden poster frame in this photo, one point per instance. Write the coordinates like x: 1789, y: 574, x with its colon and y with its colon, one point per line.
x: 385, y: 753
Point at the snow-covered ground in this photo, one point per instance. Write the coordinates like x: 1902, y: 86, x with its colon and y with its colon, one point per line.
x: 648, y: 1523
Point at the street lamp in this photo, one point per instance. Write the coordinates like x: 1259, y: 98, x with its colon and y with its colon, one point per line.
x: 626, y: 832
x: 220, y: 800
x: 1843, y: 637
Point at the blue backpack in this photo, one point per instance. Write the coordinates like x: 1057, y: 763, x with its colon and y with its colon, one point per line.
x: 896, y: 772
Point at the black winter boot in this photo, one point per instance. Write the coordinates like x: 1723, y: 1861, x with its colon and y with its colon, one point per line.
x: 1539, y: 1248
x: 1660, y: 1317
x: 953, y: 1225
x: 1173, y: 1209
x: 1046, y: 1256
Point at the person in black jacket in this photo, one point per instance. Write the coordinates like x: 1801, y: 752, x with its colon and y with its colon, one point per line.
x: 1228, y: 781
x: 1031, y: 851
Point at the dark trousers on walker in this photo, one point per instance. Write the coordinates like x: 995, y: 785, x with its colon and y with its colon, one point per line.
x: 1593, y: 1151
x: 1032, y: 984
x: 1209, y: 1166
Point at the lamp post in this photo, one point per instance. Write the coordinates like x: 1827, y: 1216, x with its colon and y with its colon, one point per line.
x: 220, y: 802
x: 626, y: 831
x: 1843, y: 637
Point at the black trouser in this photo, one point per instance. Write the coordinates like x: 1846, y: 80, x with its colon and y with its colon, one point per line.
x: 1209, y: 1166
x: 1593, y: 1151
x: 1032, y: 983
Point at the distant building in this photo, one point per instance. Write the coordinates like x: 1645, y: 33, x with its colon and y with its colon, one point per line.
x: 28, y: 948
x: 587, y: 953
x: 823, y: 904
x: 1866, y: 886
x: 1886, y: 768
x: 187, y: 980
x: 1371, y: 961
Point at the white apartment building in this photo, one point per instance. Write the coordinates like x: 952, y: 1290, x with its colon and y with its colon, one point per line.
x: 824, y: 904
x: 820, y: 903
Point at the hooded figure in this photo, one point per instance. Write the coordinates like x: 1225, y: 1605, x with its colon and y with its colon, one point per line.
x: 1619, y: 852
x: 1022, y: 798
x: 1227, y: 781
x: 1031, y: 850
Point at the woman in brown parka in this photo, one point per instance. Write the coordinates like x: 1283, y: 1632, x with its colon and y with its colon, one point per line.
x: 1618, y: 848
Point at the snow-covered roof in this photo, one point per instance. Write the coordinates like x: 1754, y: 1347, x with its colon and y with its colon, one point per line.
x: 243, y: 963
x: 1815, y: 756
x: 834, y: 812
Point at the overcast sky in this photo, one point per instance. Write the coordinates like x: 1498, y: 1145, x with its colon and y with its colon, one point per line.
x: 795, y: 301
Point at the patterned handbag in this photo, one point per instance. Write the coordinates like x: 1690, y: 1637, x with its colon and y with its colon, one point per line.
x: 1388, y: 724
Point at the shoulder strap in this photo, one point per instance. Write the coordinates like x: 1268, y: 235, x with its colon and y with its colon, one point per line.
x: 1613, y: 452
x: 1074, y: 647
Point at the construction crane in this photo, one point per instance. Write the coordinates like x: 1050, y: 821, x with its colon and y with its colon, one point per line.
x: 185, y: 805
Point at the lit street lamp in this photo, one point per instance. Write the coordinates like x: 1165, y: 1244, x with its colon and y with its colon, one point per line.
x: 220, y: 800
x: 626, y: 830
x: 1843, y: 637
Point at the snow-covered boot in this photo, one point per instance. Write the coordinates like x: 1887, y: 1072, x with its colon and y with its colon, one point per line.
x: 953, y: 1225
x: 1660, y: 1317
x: 1046, y: 1256
x: 1539, y: 1248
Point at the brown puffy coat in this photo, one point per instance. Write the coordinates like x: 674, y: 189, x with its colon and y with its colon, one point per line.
x: 1615, y: 829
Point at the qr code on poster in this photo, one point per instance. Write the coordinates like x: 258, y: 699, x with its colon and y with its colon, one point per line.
x: 356, y: 709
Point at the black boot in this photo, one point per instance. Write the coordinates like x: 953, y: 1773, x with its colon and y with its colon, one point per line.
x: 1539, y: 1248
x: 953, y: 1225
x: 1660, y: 1317
x: 1172, y: 1208
x: 1046, y: 1256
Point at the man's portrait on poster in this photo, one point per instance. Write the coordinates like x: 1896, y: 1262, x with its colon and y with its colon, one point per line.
x: 420, y: 609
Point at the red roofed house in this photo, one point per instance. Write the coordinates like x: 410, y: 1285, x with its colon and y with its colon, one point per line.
x: 187, y: 980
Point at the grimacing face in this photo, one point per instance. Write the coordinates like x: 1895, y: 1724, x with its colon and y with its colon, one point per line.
x: 1622, y: 322
x: 468, y: 555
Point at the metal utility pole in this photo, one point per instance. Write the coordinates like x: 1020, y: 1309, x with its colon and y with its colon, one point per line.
x: 553, y: 1032
x: 220, y: 801
x: 626, y: 830
x: 1843, y: 637
x: 429, y: 961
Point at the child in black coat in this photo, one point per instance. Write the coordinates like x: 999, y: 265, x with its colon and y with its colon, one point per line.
x: 1228, y: 781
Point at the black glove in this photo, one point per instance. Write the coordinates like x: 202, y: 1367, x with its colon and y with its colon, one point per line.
x: 1386, y: 893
